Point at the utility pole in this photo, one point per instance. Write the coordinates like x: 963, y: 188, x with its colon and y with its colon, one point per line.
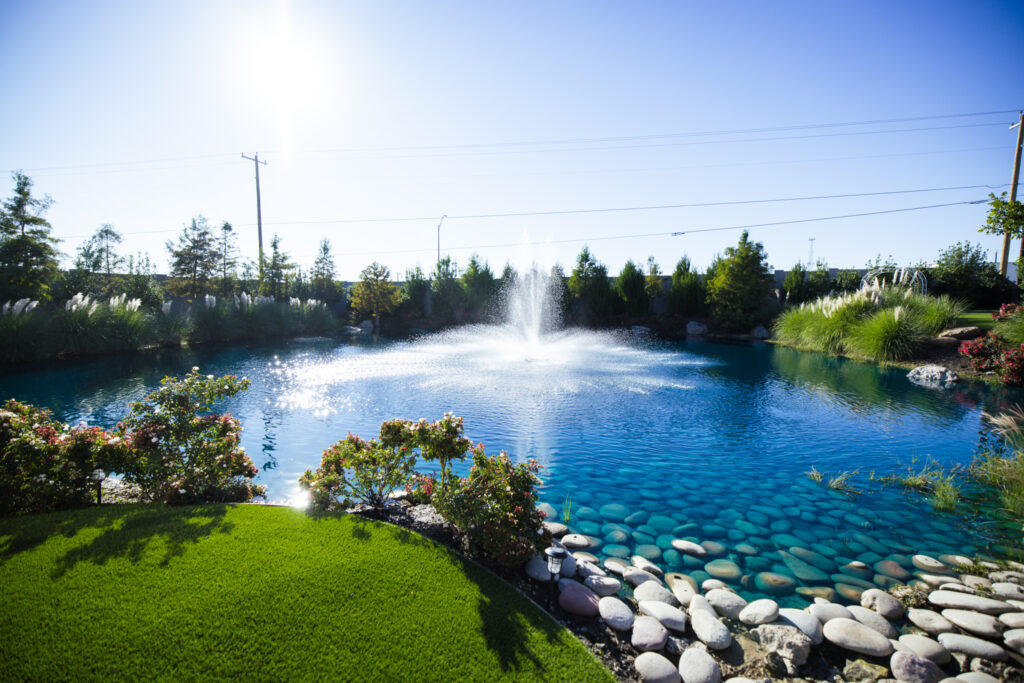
x: 1013, y: 192
x: 439, y: 237
x: 810, y: 258
x: 259, y: 215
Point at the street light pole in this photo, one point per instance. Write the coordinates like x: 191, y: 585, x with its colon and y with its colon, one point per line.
x: 439, y: 237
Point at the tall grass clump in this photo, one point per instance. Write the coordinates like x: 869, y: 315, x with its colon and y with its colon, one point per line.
x: 1003, y: 469
x: 888, y: 334
x: 1011, y: 327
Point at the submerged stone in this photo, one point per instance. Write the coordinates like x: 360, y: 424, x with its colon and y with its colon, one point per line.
x: 774, y: 584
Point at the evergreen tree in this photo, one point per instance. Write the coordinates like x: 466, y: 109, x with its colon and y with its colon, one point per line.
x: 323, y: 274
x: 375, y: 293
x: 478, y: 287
x: 631, y: 288
x: 508, y: 278
x: 589, y: 281
x: 687, y: 293
x: 794, y: 287
x: 819, y: 281
x: 446, y: 290
x: 741, y: 293
x: 227, y: 255
x: 194, y: 259
x: 105, y: 241
x: 275, y: 271
x: 560, y: 294
x: 28, y: 253
x: 414, y: 292
x: 654, y: 285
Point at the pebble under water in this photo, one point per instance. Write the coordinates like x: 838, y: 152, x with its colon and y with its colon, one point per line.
x: 643, y: 443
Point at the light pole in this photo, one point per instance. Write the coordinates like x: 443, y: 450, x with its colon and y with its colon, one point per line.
x: 439, y: 237
x: 555, y: 556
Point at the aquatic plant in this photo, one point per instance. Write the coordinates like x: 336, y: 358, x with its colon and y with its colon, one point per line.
x: 567, y: 509
x: 815, y: 475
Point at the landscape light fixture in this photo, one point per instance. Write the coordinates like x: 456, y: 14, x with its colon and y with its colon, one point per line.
x: 98, y: 476
x: 555, y: 554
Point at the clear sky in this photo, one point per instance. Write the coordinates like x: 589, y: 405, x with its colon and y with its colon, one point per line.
x: 136, y: 113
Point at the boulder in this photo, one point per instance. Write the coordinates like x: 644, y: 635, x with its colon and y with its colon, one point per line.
x: 787, y: 641
x: 669, y: 616
x: 710, y: 630
x: 575, y: 598
x: 696, y: 329
x: 969, y: 645
x: 648, y: 634
x: 697, y: 666
x: 883, y: 603
x: 911, y: 668
x: 655, y: 668
x: 615, y: 613
x: 962, y: 333
x: 933, y: 376
x: 856, y: 637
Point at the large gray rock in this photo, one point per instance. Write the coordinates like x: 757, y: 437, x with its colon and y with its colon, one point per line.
x: 699, y: 602
x: 650, y: 590
x: 655, y: 668
x: 696, y: 329
x: 575, y: 598
x: 1014, y: 639
x: 669, y: 616
x: 697, y: 666
x: 924, y: 646
x: 856, y: 637
x: 726, y: 603
x: 587, y: 569
x: 933, y: 376
x: 977, y: 603
x: 603, y: 585
x: 641, y: 562
x: 914, y: 669
x: 537, y: 569
x: 760, y: 332
x: 648, y: 634
x: 969, y: 645
x: 635, y: 576
x: 763, y: 611
x: 927, y: 620
x: 874, y: 620
x: 556, y: 528
x: 983, y: 625
x: 883, y: 603
x: 805, y: 621
x: 975, y: 677
x: 825, y: 612
x: 961, y: 333
x: 709, y: 629
x: 788, y: 642
x: 1004, y: 589
x: 616, y: 613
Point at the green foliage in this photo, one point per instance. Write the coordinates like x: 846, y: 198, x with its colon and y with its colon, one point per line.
x: 936, y: 484
x: 653, y: 284
x: 888, y: 334
x: 495, y: 508
x: 1011, y: 328
x: 367, y: 471
x: 589, y: 281
x: 687, y: 295
x: 194, y: 259
x: 227, y: 260
x: 795, y: 287
x: 323, y: 274
x: 446, y: 290
x: 632, y: 289
x: 819, y: 281
x: 443, y: 441
x: 741, y: 292
x: 964, y: 271
x: 375, y: 293
x: 275, y: 271
x: 1000, y: 466
x: 846, y: 281
x: 141, y: 282
x: 28, y: 253
x: 46, y: 465
x: 478, y: 287
x: 415, y: 291
x: 420, y: 490
x: 182, y: 452
x: 558, y: 288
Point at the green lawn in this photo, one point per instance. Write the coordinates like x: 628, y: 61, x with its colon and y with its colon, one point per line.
x: 977, y: 317
x: 214, y: 592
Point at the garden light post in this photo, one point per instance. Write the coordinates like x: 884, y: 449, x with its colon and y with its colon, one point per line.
x: 555, y: 556
x: 98, y: 476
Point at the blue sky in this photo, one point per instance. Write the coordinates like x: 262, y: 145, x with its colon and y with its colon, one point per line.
x: 135, y: 114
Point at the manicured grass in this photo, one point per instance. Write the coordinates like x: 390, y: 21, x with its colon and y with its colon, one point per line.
x: 215, y: 592
x: 977, y: 317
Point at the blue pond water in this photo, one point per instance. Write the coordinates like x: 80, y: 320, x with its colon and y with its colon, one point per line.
x: 703, y: 441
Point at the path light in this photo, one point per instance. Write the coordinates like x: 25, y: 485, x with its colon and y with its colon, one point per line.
x: 555, y: 556
x: 98, y: 476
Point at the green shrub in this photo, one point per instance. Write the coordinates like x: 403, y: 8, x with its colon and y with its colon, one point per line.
x: 740, y: 293
x: 889, y: 334
x: 687, y: 293
x: 45, y: 465
x: 495, y: 508
x: 367, y: 471
x: 1011, y: 327
x: 420, y: 491
x: 183, y: 453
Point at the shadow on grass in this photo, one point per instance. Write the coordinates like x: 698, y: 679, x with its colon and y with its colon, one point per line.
x: 129, y: 532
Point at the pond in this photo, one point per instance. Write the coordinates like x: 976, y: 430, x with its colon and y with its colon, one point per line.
x: 649, y: 441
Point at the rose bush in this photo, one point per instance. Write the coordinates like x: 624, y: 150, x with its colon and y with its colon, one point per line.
x: 984, y: 353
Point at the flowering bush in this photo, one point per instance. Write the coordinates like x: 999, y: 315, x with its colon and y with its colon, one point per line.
x: 363, y: 470
x: 420, y: 490
x: 180, y: 455
x: 46, y: 465
x: 443, y: 441
x: 1005, y: 311
x: 1011, y: 366
x: 984, y: 353
x: 495, y: 508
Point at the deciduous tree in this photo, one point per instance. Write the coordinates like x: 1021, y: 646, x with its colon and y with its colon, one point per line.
x: 375, y: 293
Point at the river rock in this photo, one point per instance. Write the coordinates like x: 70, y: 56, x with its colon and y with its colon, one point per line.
x: 696, y: 329
x: 802, y: 570
x: 1004, y: 590
x: 575, y: 541
x: 927, y: 620
x: 773, y: 583
x: 925, y: 647
x: 537, y: 569
x: 712, y: 584
x: 655, y: 668
x: 893, y: 569
x: 575, y: 598
x: 616, y: 512
x: 669, y: 616
x: 883, y: 603
x: 874, y: 620
x: 549, y: 510
x: 713, y: 548
x: 930, y: 564
x: 961, y: 333
x: 587, y: 569
x: 977, y: 603
x: 617, y: 551
x: 700, y: 603
x: 811, y: 592
x: 979, y: 624
x: 727, y: 570
x: 970, y: 645
x: 1014, y: 639
x: 787, y: 641
x: 689, y: 547
x: 556, y: 528
x: 726, y: 603
x: 683, y: 591
x: 849, y: 591
x: 615, y: 613
x: 806, y: 622
x: 641, y: 562
x: 648, y: 634
x: 826, y: 612
x: 973, y: 677
x: 856, y: 637
x: 603, y: 585
x: 1012, y: 619
x: 933, y: 376
x: 935, y: 580
x: 912, y: 668
x: 568, y: 569
x: 650, y: 590
x: 763, y: 611
x: 710, y: 630
x: 636, y: 577
x: 697, y: 666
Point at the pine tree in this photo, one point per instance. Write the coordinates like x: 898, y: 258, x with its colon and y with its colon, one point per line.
x: 375, y: 293
x: 630, y: 286
x: 194, y: 260
x: 276, y: 271
x: 740, y: 293
x: 227, y: 256
x: 323, y: 274
x: 28, y: 253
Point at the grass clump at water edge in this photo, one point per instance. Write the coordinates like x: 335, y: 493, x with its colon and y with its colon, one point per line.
x: 216, y: 592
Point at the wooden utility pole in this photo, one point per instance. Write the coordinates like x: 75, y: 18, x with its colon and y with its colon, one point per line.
x: 259, y: 216
x: 1013, y: 193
